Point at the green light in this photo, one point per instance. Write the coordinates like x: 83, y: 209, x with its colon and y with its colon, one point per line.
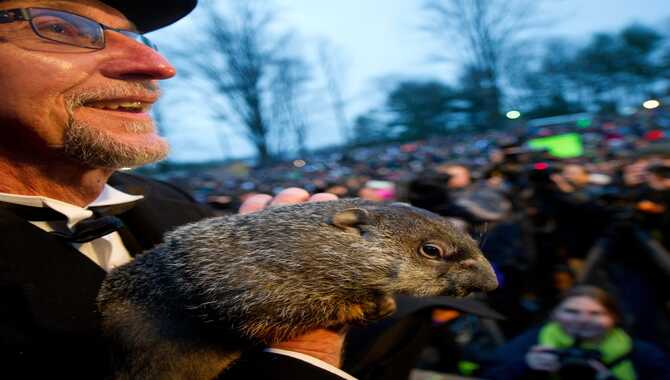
x: 562, y: 146
x: 583, y: 123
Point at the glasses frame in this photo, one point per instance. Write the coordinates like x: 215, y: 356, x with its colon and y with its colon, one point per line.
x: 24, y: 14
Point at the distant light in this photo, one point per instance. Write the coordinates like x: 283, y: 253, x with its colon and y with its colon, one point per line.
x: 654, y: 135
x: 541, y: 166
x: 514, y: 114
x: 299, y: 163
x: 584, y: 123
x: 651, y: 104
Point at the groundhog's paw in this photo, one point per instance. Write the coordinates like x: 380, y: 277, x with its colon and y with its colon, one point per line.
x: 361, y: 313
x: 380, y: 308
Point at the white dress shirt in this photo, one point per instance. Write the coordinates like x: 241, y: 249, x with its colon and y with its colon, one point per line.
x: 108, y: 251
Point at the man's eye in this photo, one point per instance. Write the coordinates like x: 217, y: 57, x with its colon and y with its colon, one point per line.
x: 55, y: 26
x: 63, y: 28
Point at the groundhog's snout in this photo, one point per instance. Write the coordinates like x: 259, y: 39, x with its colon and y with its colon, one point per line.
x: 483, y: 276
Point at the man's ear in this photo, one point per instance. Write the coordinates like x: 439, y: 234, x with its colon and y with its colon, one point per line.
x: 351, y: 219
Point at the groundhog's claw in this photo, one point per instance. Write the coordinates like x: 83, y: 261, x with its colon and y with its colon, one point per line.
x: 382, y: 307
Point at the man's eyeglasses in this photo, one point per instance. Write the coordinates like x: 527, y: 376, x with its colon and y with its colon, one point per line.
x: 67, y: 28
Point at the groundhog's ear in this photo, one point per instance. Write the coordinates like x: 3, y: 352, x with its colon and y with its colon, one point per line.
x: 350, y: 219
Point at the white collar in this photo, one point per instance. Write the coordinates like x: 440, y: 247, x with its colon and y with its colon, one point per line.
x: 74, y: 214
x: 313, y: 361
x: 111, y: 196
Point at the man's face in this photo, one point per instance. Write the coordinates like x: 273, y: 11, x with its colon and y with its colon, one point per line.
x: 88, y: 105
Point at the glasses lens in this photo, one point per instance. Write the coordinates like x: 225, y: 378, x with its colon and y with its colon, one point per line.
x: 139, y: 38
x: 67, y: 28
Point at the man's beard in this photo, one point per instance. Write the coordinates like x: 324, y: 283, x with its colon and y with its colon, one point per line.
x: 98, y: 149
x: 95, y: 147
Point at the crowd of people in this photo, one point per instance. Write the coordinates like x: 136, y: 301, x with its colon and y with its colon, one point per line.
x: 547, y: 224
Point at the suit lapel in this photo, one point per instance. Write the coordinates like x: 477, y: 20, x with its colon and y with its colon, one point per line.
x: 59, y: 284
x: 151, y: 219
x: 162, y: 209
x: 48, y: 287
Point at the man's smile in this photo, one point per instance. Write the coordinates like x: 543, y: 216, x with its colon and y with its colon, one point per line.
x: 133, y: 106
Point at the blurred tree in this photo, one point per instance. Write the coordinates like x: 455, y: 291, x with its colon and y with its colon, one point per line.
x: 333, y: 70
x: 241, y: 60
x: 370, y: 128
x: 474, y: 97
x: 622, y: 67
x: 547, y: 86
x: 419, y: 109
x: 555, y: 105
x: 288, y: 115
x: 488, y: 33
x: 611, y: 70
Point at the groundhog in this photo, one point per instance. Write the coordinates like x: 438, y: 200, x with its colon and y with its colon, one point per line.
x: 214, y: 288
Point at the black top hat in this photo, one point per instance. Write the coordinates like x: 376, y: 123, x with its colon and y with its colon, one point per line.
x: 149, y: 15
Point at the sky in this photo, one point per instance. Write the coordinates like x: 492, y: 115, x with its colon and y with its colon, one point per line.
x: 375, y: 39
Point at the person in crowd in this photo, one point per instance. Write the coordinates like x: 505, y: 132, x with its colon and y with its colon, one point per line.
x: 579, y: 218
x: 459, y: 176
x: 584, y: 339
x: 572, y: 178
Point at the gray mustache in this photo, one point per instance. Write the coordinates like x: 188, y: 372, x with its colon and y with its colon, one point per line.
x: 133, y: 89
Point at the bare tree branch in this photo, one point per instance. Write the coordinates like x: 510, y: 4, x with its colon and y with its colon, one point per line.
x: 486, y: 32
x: 242, y: 57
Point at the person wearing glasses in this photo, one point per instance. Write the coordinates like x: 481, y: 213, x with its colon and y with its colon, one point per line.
x: 78, y: 79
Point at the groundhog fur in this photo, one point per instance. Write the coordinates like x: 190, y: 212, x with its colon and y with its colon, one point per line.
x: 214, y: 288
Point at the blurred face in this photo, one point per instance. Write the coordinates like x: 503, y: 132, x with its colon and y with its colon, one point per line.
x: 584, y: 317
x: 91, y: 106
x: 635, y: 173
x: 576, y: 174
x: 460, y: 177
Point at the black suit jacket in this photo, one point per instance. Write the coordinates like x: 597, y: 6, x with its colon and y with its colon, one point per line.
x: 49, y: 324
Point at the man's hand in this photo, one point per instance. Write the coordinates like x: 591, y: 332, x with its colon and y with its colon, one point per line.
x: 288, y: 196
x: 562, y: 183
x: 322, y: 344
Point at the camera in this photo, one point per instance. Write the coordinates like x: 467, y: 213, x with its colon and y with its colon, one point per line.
x: 574, y: 363
x: 661, y: 170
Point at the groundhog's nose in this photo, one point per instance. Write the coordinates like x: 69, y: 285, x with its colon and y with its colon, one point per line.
x: 483, y: 276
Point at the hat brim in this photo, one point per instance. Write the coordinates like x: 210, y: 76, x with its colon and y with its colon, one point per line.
x: 408, y: 305
x: 149, y: 15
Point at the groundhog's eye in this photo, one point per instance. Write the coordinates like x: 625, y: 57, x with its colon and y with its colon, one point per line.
x: 431, y: 251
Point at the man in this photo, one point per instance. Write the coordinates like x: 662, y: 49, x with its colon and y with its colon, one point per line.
x: 77, y: 82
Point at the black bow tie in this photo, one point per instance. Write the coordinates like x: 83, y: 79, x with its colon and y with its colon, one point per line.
x: 91, y: 229
x: 100, y: 224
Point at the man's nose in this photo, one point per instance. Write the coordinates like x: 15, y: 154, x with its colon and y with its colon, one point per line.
x: 131, y: 59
